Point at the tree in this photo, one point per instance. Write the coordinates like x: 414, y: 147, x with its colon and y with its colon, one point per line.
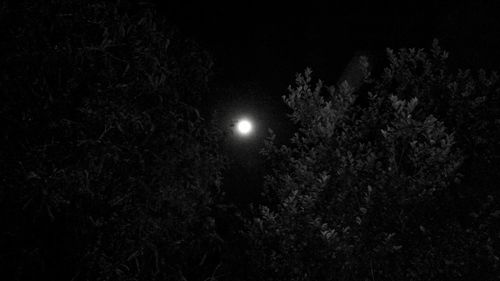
x: 108, y: 170
x: 374, y: 191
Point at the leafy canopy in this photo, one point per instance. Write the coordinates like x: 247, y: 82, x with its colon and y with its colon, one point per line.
x: 365, y: 190
x: 108, y: 170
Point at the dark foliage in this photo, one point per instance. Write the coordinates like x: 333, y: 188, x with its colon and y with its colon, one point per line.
x: 400, y: 188
x: 108, y: 171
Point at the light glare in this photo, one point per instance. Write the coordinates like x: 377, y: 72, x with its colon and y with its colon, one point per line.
x: 244, y: 127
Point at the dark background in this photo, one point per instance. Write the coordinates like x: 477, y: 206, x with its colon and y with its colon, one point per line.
x: 268, y: 44
x: 258, y: 48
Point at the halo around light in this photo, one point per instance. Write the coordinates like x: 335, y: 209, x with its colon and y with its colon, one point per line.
x: 244, y: 127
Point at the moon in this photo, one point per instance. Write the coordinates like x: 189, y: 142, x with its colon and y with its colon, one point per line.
x: 244, y: 127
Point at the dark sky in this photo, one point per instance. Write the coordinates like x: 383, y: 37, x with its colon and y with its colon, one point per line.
x: 268, y: 44
x: 258, y: 48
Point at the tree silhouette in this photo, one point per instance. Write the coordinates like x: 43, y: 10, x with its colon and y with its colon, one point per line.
x: 108, y: 170
x: 376, y: 191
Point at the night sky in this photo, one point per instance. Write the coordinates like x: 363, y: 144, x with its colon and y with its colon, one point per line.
x: 257, y: 50
x: 268, y: 45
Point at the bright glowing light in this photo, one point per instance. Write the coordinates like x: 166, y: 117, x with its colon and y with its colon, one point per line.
x: 244, y: 127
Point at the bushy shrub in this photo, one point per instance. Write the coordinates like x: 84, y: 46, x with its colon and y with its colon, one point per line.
x: 108, y: 171
x: 375, y: 190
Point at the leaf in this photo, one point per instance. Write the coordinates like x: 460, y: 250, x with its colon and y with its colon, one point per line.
x: 495, y: 214
x: 358, y: 220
